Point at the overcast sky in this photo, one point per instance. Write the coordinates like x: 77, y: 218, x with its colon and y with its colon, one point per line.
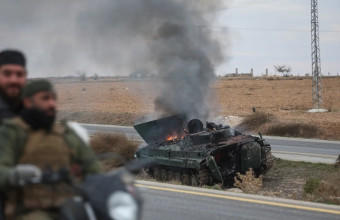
x: 278, y: 32
x: 256, y: 35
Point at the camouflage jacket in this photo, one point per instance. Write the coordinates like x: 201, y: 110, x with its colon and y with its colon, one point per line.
x: 13, y: 140
x: 5, y: 110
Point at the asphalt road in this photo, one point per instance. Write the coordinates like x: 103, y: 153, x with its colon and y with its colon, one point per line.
x: 309, y: 150
x: 297, y: 149
x: 167, y: 202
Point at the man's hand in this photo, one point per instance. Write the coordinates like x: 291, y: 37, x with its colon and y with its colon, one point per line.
x: 23, y: 174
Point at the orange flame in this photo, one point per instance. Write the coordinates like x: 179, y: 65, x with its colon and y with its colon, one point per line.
x: 173, y: 137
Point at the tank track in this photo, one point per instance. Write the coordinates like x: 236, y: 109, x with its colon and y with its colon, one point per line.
x: 204, y: 176
x: 270, y: 160
x: 162, y: 174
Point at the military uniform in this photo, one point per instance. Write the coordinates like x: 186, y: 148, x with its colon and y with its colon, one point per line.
x: 61, y: 147
x: 6, y: 111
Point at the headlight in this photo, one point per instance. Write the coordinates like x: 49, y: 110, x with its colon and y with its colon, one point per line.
x: 122, y: 206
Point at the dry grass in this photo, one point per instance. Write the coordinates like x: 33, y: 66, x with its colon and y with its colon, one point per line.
x: 113, y: 149
x: 271, y: 78
x: 248, y: 183
x: 337, y: 162
x: 255, y: 121
x: 122, y: 102
x: 287, y: 179
x: 326, y: 191
x: 292, y: 129
x: 102, y: 118
x: 266, y: 122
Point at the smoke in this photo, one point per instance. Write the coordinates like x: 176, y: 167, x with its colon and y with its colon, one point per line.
x: 45, y: 32
x: 167, y: 37
x: 117, y: 37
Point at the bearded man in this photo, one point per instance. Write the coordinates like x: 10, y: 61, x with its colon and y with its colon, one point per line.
x: 33, y: 143
x: 12, y: 79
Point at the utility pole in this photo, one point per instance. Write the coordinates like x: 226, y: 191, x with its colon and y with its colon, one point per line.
x: 316, y: 64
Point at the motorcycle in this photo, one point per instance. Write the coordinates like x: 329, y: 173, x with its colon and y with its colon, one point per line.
x: 109, y: 196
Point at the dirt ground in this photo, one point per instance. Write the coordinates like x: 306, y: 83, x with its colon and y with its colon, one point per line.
x: 123, y: 101
x: 287, y: 179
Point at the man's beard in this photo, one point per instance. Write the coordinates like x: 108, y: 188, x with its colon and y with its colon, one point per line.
x: 37, y: 119
x: 11, y: 100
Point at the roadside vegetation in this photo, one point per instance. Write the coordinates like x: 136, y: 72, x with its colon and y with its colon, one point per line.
x: 268, y: 124
x: 303, y: 181
x: 255, y: 121
x: 292, y: 129
x: 326, y: 190
x: 314, y: 182
x: 113, y: 150
x: 248, y: 182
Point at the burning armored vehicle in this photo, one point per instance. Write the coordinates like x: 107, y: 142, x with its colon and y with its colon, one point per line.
x: 195, y: 155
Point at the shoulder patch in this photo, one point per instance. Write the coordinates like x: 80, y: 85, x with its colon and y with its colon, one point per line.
x: 80, y: 131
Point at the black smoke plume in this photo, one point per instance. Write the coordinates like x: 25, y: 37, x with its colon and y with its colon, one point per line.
x: 166, y: 36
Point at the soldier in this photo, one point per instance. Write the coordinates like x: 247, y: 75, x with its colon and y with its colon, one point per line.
x: 32, y: 143
x: 12, y: 79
